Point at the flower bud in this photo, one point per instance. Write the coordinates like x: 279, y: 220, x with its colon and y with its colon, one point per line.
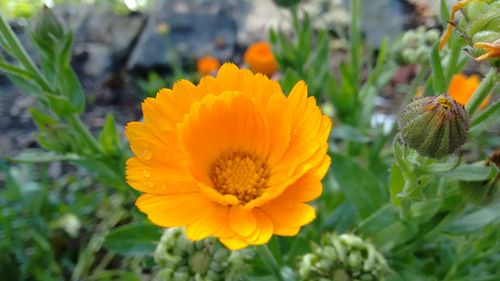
x: 47, y: 25
x: 434, y: 126
x: 343, y: 257
x: 179, y: 258
x: 414, y: 45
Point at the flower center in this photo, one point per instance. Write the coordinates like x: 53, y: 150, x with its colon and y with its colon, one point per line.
x: 241, y: 174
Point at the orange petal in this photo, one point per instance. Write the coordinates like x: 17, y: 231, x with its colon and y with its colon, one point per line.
x: 242, y: 221
x: 285, y: 230
x: 208, y: 225
x: 264, y: 229
x: 157, y: 179
x: 233, y: 243
x: 148, y: 147
x: 175, y: 210
x: 308, y: 187
x: 289, y: 213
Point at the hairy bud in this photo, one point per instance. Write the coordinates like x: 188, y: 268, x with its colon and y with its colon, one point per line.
x: 434, y: 126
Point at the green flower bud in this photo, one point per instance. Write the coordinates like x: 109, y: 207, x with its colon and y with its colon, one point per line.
x: 47, y: 25
x: 47, y: 32
x: 352, y: 259
x: 483, y: 192
x: 434, y: 126
x: 179, y: 258
x: 414, y: 45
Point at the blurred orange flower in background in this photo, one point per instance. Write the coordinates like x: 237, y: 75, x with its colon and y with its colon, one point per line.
x: 231, y: 157
x: 207, y: 64
x: 260, y: 58
x: 462, y: 87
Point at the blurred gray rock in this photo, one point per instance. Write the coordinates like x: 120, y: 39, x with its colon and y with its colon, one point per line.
x: 383, y: 18
x: 102, y: 38
x: 185, y: 29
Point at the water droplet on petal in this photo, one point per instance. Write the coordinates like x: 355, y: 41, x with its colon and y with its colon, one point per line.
x: 150, y: 184
x: 147, y: 154
x: 146, y: 173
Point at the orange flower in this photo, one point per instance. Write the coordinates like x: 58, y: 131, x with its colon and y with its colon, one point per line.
x: 232, y: 157
x: 492, y: 50
x: 207, y: 65
x: 462, y: 87
x: 260, y: 58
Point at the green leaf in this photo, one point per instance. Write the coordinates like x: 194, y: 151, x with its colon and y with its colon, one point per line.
x: 40, y: 156
x: 443, y: 11
x: 438, y: 79
x: 104, y: 173
x: 346, y: 132
x: 358, y: 184
x: 60, y: 105
x: 485, y: 119
x: 109, y: 138
x: 396, y: 184
x: 14, y: 70
x: 41, y: 119
x: 133, y: 239
x: 290, y: 78
x: 69, y: 86
x: 385, y: 229
x: 475, y: 221
x: 421, y: 212
x: 67, y: 46
x: 472, y: 173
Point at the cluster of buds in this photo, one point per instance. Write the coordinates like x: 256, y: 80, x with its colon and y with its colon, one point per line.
x: 487, y: 191
x: 414, y: 46
x: 481, y: 28
x: 434, y: 126
x: 344, y: 257
x: 181, y: 259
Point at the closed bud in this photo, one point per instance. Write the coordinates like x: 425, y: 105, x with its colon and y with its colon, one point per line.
x: 47, y: 25
x: 434, y: 126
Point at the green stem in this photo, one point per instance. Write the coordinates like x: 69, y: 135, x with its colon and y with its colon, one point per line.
x: 356, y: 41
x: 76, y: 123
x: 268, y: 258
x: 18, y: 51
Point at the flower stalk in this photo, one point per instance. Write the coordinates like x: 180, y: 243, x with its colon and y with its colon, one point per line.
x: 267, y: 256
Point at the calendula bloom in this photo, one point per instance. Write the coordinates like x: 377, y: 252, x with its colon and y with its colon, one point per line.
x: 462, y: 87
x: 232, y: 157
x: 260, y: 58
x: 207, y: 64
